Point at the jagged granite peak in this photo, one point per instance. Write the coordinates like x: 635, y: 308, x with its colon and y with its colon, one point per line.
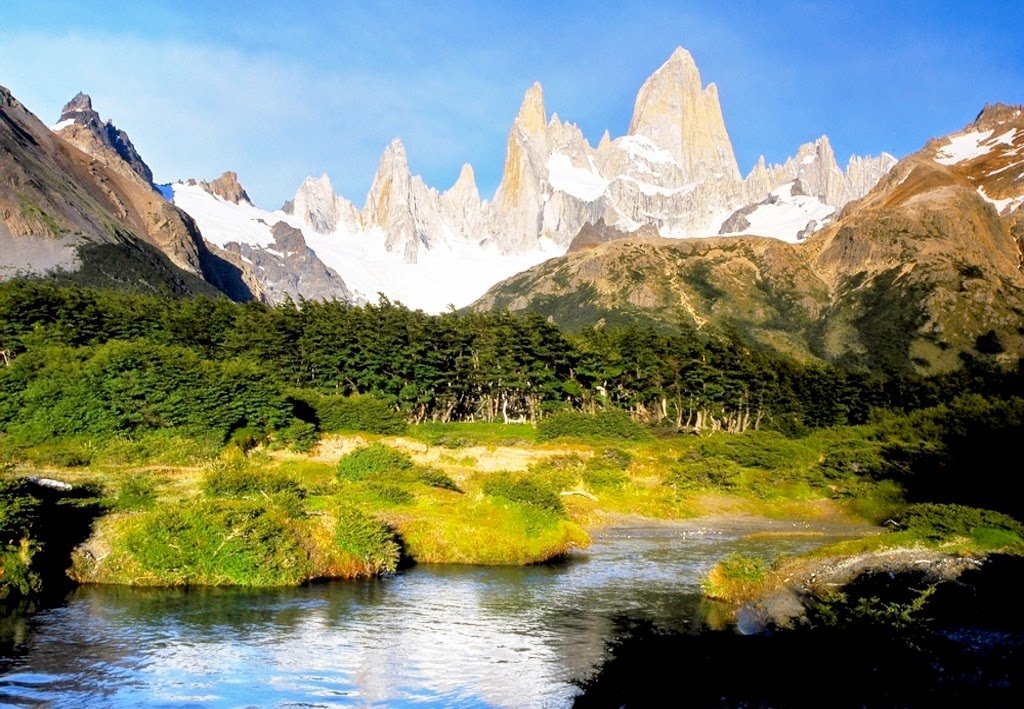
x: 81, y: 102
x: 997, y: 114
x: 531, y: 118
x: 401, y: 206
x: 815, y: 166
x: 316, y: 204
x: 465, y: 183
x: 83, y: 127
x: 515, y: 214
x: 675, y: 111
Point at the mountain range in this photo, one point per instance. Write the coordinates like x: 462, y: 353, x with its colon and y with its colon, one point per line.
x: 882, y: 264
x: 675, y: 170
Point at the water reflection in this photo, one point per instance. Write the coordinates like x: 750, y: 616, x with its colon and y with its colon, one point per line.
x: 453, y: 636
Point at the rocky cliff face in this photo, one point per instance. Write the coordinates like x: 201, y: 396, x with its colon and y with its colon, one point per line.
x: 62, y: 210
x: 827, y: 188
x: 939, y: 233
x: 676, y: 112
x: 127, y: 185
x: 227, y: 187
x: 316, y: 205
x: 81, y: 126
x: 288, y: 268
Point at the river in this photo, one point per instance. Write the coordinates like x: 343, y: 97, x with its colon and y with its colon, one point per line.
x: 431, y: 635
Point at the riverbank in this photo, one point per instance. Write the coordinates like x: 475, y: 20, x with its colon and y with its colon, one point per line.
x: 362, y: 504
x: 888, y: 578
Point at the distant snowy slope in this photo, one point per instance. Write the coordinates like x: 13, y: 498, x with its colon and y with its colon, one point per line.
x: 786, y: 213
x: 452, y: 274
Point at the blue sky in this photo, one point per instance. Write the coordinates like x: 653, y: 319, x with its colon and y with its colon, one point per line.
x: 280, y: 91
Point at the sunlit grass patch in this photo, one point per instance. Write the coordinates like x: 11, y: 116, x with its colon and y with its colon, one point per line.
x: 486, y: 530
x: 738, y: 576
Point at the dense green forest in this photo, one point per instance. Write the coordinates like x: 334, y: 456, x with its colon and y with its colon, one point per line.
x: 84, y: 361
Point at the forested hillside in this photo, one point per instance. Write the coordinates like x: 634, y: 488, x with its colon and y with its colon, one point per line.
x: 82, y: 361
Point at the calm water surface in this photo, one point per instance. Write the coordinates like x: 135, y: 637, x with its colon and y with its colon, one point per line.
x: 441, y: 635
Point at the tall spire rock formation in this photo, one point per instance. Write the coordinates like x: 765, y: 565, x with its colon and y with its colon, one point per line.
x: 674, y: 173
x: 675, y: 112
x: 401, y: 205
x: 461, y: 203
x: 519, y: 199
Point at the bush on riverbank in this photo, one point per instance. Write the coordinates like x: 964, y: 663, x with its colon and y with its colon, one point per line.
x: 605, y: 424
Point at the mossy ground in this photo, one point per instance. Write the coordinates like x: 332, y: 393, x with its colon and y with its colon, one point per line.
x: 181, y: 512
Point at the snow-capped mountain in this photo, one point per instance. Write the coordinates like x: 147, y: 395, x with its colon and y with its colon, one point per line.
x: 674, y: 171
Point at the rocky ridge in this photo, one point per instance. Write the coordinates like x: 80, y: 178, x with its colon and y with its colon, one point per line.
x: 922, y: 271
x: 81, y: 215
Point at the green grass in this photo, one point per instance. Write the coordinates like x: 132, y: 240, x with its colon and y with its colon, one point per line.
x: 238, y: 477
x: 523, y: 490
x: 367, y: 539
x: 736, y: 576
x: 210, y: 543
x: 448, y: 507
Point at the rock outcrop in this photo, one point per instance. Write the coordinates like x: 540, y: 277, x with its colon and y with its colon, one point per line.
x: 81, y: 126
x: 226, y: 187
x: 290, y: 269
x: 128, y: 188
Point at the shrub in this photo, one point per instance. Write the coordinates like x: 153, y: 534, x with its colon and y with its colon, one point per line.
x: 523, y: 491
x: 374, y: 461
x: 712, y: 471
x: 941, y: 522
x: 246, y: 438
x: 299, y: 436
x: 606, y: 424
x: 215, y: 542
x: 391, y: 494
x: 767, y: 450
x: 239, y: 478
x: 735, y: 578
x: 136, y: 492
x: 367, y: 539
x: 356, y: 413
x: 852, y: 458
